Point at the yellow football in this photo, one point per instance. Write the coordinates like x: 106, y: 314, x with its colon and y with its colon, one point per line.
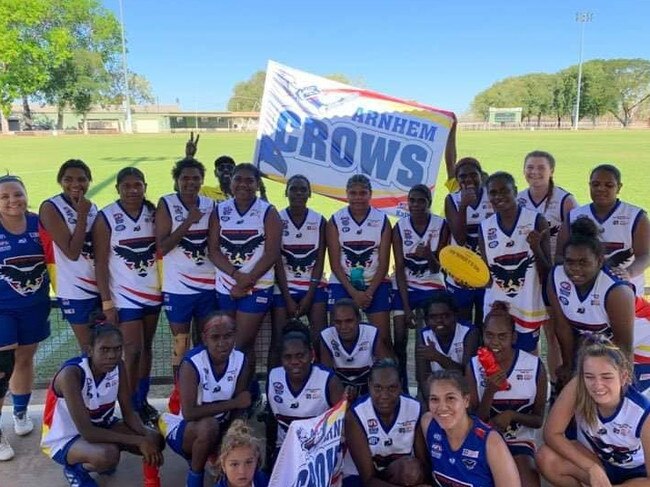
x: 465, y: 266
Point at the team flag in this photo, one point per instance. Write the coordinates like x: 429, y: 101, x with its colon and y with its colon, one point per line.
x: 329, y: 131
x: 312, y: 452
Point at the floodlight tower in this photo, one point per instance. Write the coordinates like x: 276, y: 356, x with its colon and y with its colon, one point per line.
x: 128, y: 123
x: 582, y: 18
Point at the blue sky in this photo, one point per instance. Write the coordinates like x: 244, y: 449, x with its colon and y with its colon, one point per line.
x: 440, y: 53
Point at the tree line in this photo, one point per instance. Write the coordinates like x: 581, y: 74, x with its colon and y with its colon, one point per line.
x: 65, y: 53
x: 620, y: 87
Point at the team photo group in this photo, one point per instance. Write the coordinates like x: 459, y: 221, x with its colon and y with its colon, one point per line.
x: 483, y: 408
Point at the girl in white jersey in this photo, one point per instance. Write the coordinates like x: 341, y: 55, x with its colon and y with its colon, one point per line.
x: 244, y: 244
x: 381, y: 429
x: 624, y: 228
x: 301, y: 290
x: 587, y: 298
x: 612, y: 423
x: 464, y: 211
x: 213, y: 380
x: 127, y: 278
x: 65, y: 223
x: 358, y: 244
x: 182, y: 239
x: 80, y: 429
x: 445, y: 342
x: 514, y: 244
x: 518, y: 411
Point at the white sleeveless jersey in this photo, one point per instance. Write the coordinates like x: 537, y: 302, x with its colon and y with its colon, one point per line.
x: 616, y: 233
x: 418, y: 274
x: 299, y: 248
x: 474, y: 215
x: 242, y: 241
x: 187, y: 268
x: 71, y: 279
x: 456, y: 347
x: 519, y: 397
x: 310, y: 401
x: 132, y: 266
x: 514, y: 275
x: 586, y: 314
x: 617, y: 439
x: 359, y: 242
x: 386, y: 442
x: 551, y: 208
x: 352, y: 365
x: 98, y: 397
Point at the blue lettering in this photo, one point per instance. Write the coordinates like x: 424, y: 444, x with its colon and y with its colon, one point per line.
x: 313, y: 143
x: 303, y: 478
x: 344, y: 141
x: 371, y: 118
x: 358, y: 115
x: 412, y: 129
x: 413, y: 158
x: 399, y: 125
x: 385, y: 120
x: 288, y: 144
x: 376, y: 155
x: 428, y: 132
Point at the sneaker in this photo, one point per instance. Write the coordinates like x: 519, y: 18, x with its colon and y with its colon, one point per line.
x: 78, y: 477
x: 6, y: 452
x: 23, y: 424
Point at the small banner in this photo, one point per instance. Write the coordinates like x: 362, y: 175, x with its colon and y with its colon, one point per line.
x: 312, y: 452
x: 329, y: 131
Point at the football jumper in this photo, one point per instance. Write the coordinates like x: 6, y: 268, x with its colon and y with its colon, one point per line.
x: 474, y: 215
x: 71, y: 279
x: 98, y: 397
x: 514, y: 275
x: 551, y: 208
x: 287, y: 405
x: 617, y: 439
x: 242, y: 241
x: 132, y: 267
x: 359, y: 244
x: 456, y: 346
x: 418, y: 274
x: 299, y: 249
x: 23, y: 275
x: 616, y: 233
x: 352, y: 365
x: 466, y: 467
x: 186, y: 268
x: 211, y: 386
x: 519, y: 397
x: 387, y: 442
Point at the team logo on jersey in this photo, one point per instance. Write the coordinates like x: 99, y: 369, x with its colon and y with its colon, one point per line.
x: 469, y: 463
x: 417, y: 268
x: 616, y: 455
x: 300, y: 258
x: 25, y: 274
x: 138, y: 253
x: 358, y: 254
x: 240, y: 245
x: 87, y: 248
x: 509, y: 271
x: 618, y: 259
x: 195, y: 245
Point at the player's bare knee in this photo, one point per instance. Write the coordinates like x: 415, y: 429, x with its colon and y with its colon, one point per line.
x: 106, y: 458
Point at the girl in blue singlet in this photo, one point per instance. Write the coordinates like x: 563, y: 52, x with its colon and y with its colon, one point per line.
x: 611, y: 417
x: 463, y: 450
x: 241, y: 458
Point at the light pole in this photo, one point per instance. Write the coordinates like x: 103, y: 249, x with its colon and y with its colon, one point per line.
x: 582, y: 18
x: 128, y: 124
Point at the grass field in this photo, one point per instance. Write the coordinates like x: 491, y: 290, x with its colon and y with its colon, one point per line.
x: 36, y: 160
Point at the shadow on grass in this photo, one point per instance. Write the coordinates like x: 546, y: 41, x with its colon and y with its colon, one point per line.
x: 109, y: 181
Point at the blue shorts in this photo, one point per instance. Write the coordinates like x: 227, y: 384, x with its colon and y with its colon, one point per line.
x: 257, y: 302
x: 181, y: 308
x: 175, y: 439
x: 78, y: 311
x: 466, y: 298
x: 61, y: 456
x: 618, y: 475
x: 528, y: 341
x: 320, y: 296
x: 25, y: 326
x: 521, y: 449
x: 417, y: 297
x: 380, y: 301
x: 136, y: 314
x: 642, y: 376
